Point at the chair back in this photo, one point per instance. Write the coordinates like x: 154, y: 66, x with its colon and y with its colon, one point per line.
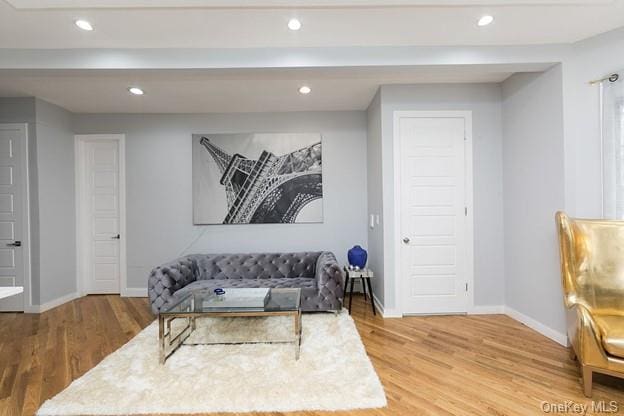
x: 592, y: 263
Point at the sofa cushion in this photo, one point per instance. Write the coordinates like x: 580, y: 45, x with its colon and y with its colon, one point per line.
x: 301, y: 282
x: 611, y: 333
x: 257, y: 266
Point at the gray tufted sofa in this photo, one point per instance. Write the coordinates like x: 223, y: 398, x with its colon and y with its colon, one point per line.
x: 316, y: 273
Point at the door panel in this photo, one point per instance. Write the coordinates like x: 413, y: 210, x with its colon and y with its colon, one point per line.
x: 433, y: 223
x: 7, y: 230
x: 6, y: 175
x: 12, y: 201
x: 7, y: 258
x: 7, y: 281
x: 6, y: 204
x: 102, y: 211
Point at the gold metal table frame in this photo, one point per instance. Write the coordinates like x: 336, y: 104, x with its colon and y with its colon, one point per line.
x: 170, y: 342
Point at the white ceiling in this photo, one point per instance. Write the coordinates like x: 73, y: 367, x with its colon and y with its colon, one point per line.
x: 126, y: 30
x: 239, y: 90
x: 69, y: 4
x: 262, y: 23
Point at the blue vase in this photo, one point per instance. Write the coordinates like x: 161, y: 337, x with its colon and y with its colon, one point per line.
x: 357, y: 256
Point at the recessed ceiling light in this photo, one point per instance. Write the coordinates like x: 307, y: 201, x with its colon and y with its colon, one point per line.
x: 84, y: 25
x: 305, y: 90
x: 485, y: 20
x: 294, y: 24
x: 136, y: 91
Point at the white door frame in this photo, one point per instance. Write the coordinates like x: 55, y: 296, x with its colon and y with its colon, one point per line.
x: 81, y: 215
x: 25, y: 238
x: 396, y: 146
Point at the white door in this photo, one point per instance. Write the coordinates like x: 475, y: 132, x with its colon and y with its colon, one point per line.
x: 433, y: 224
x: 13, y: 139
x: 100, y: 216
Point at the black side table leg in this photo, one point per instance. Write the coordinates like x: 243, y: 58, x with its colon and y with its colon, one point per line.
x: 363, y: 281
x: 351, y: 295
x: 370, y: 290
x: 346, y: 283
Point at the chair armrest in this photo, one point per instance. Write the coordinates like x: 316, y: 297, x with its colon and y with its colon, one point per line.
x: 329, y: 279
x: 584, y: 335
x: 167, y: 279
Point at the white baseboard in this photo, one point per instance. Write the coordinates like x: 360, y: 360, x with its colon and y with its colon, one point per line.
x: 134, y: 292
x: 487, y: 310
x: 378, y: 305
x: 537, y: 326
x: 51, y: 304
x: 548, y: 332
x: 386, y: 313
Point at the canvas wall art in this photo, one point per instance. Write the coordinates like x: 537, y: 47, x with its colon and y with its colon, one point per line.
x: 257, y: 178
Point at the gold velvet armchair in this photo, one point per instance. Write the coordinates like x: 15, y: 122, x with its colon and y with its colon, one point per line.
x: 592, y: 270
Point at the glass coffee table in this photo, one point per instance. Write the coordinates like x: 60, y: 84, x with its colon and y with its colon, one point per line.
x: 204, y: 303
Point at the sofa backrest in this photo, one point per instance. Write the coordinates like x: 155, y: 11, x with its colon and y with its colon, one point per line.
x: 256, y: 266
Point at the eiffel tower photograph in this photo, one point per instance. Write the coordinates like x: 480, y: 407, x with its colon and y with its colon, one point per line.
x: 257, y: 178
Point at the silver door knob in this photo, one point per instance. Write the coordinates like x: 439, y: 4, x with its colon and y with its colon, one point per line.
x: 406, y: 240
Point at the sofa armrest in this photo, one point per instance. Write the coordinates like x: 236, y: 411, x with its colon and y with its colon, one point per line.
x: 167, y: 279
x: 329, y: 279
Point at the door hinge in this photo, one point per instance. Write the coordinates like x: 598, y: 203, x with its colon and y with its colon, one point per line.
x: 466, y: 287
x: 466, y: 211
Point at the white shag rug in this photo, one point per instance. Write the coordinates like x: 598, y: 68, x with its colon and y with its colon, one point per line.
x: 332, y: 373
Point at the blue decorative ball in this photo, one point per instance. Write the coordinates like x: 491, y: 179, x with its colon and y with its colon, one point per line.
x: 357, y: 256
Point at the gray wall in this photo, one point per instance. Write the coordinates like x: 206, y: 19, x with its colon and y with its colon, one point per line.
x: 375, y: 196
x: 159, y: 194
x: 17, y: 110
x: 56, y: 203
x: 588, y: 60
x: 484, y: 100
x: 533, y: 161
x: 51, y: 189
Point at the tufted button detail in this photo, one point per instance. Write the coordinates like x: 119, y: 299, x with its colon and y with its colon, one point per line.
x: 318, y: 274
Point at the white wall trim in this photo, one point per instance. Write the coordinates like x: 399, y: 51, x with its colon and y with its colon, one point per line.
x: 396, y: 227
x: 537, y: 326
x: 79, y: 141
x: 28, y: 301
x: 78, y: 152
x: 548, y: 332
x: 134, y: 292
x: 386, y: 313
x: 487, y: 310
x: 52, y: 304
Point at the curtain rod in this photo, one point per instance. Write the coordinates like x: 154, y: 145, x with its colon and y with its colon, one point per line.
x: 610, y: 78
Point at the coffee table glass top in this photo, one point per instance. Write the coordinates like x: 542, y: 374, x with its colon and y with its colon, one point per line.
x: 205, y: 301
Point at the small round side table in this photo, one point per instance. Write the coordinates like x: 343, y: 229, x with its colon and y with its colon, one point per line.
x: 365, y: 276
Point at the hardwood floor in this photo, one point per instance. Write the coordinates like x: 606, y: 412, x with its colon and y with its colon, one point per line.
x: 441, y: 365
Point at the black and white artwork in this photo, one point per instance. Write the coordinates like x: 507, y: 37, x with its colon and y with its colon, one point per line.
x: 257, y: 178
